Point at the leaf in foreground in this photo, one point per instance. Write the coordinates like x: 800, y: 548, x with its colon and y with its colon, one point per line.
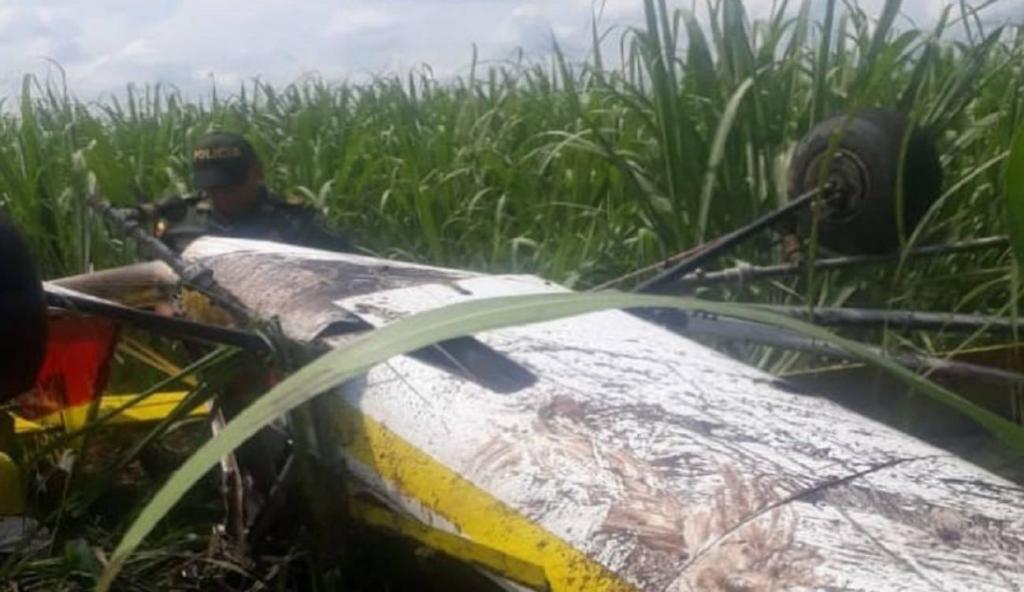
x: 1015, y: 195
x: 421, y: 330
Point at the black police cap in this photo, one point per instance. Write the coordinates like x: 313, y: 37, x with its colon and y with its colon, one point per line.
x: 222, y: 159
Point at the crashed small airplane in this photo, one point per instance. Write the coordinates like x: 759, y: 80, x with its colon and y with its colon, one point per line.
x: 606, y: 451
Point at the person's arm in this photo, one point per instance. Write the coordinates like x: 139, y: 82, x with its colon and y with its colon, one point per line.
x: 311, y: 230
x: 173, y: 208
x: 152, y: 215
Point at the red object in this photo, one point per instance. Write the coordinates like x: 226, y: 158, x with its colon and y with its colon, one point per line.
x: 76, y: 367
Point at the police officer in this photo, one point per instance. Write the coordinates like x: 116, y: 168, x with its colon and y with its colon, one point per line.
x: 232, y: 200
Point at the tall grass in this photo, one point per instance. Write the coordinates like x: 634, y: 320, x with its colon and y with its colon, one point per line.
x: 573, y: 170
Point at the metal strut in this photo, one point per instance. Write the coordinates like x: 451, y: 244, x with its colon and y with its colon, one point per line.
x: 747, y: 273
x: 913, y: 320
x: 725, y: 243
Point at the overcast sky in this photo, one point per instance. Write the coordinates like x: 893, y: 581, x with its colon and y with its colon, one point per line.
x: 105, y: 44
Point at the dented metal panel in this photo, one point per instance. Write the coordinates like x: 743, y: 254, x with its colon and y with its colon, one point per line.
x: 642, y: 460
x: 299, y: 285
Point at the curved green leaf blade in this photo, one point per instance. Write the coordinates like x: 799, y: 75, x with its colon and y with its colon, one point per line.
x: 718, y: 152
x: 1015, y: 196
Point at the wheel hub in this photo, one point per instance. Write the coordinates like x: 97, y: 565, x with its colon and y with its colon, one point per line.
x: 846, y: 185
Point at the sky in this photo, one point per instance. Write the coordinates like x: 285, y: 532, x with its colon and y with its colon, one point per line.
x: 103, y: 45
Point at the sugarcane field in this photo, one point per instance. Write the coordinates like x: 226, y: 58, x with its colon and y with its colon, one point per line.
x: 566, y: 296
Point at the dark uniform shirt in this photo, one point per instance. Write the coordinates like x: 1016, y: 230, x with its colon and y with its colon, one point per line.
x: 180, y: 220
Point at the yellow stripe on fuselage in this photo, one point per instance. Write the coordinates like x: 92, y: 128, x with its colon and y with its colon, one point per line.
x: 453, y: 545
x: 155, y: 408
x: 476, y: 513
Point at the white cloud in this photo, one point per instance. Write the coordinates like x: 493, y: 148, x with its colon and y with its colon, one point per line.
x: 106, y: 44
x: 347, y: 21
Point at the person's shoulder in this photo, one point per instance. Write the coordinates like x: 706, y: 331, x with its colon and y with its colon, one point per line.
x: 289, y: 201
x: 308, y: 224
x: 292, y: 206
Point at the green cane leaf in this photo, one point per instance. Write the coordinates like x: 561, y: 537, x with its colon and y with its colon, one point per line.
x: 1015, y: 195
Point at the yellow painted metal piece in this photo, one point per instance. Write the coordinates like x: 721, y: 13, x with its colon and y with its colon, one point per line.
x: 453, y: 545
x: 155, y: 408
x: 11, y: 501
x: 72, y: 419
x: 478, y: 515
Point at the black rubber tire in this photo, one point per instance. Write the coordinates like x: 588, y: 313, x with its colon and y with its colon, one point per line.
x: 869, y: 149
x: 22, y: 314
